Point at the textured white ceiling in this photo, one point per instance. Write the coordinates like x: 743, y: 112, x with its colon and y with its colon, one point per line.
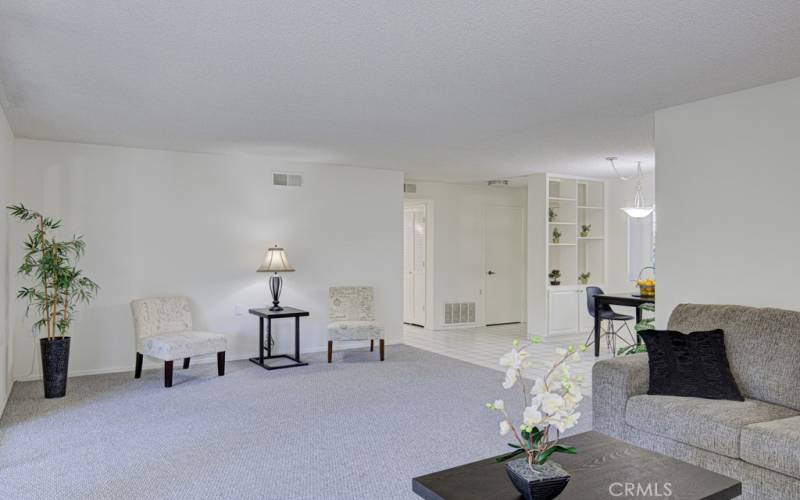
x: 447, y: 89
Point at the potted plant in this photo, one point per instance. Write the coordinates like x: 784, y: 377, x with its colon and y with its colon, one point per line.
x: 585, y: 229
x: 56, y: 288
x: 554, y: 276
x: 556, y: 235
x: 551, y: 215
x: 549, y: 410
x: 583, y: 278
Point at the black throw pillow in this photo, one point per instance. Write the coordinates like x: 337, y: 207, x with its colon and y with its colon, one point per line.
x: 693, y: 365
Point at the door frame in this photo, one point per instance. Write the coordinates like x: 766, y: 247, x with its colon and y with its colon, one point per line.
x: 429, y: 253
x: 523, y: 229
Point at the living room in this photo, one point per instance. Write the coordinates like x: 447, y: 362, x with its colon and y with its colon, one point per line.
x: 205, y: 260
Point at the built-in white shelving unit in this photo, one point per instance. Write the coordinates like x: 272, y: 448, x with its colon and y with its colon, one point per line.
x: 568, y: 205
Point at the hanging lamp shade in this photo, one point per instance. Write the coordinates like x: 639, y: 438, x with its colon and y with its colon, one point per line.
x: 275, y: 261
x: 638, y: 210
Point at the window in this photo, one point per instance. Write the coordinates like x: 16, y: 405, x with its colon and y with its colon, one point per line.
x: 641, y: 244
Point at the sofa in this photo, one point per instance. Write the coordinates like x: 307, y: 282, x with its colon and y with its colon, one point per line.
x: 756, y: 441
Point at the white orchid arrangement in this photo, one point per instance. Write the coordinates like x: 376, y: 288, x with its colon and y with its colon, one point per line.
x: 550, y: 405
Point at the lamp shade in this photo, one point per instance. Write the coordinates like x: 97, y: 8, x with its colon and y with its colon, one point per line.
x: 638, y: 210
x: 275, y: 261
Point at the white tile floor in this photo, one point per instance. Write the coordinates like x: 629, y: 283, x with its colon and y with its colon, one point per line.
x: 486, y: 344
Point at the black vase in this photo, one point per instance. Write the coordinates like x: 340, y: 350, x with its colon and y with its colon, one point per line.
x: 55, y: 360
x: 545, y: 482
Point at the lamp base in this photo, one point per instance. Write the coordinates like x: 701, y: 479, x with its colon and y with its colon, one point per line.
x: 275, y: 287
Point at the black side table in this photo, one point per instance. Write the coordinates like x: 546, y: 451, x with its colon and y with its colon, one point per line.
x: 265, y: 313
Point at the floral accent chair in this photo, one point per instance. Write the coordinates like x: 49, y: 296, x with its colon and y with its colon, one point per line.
x: 163, y: 328
x: 352, y: 317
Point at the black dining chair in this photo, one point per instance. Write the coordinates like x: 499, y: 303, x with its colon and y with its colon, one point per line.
x: 608, y: 315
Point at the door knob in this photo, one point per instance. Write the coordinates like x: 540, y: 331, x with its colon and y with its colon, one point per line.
x: 491, y: 273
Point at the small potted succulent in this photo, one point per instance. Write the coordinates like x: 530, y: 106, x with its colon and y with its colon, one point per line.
x: 556, y: 235
x: 550, y: 408
x: 585, y: 229
x: 551, y: 215
x: 554, y: 276
x: 583, y: 278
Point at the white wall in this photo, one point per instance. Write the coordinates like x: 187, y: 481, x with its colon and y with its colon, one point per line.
x: 727, y: 183
x: 158, y: 223
x: 6, y: 160
x: 459, y: 269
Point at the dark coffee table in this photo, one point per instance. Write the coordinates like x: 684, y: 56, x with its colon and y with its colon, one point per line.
x: 603, y: 468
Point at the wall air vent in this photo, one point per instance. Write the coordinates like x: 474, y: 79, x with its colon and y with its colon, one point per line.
x: 458, y: 313
x: 283, y: 179
x: 409, y: 188
x: 498, y: 183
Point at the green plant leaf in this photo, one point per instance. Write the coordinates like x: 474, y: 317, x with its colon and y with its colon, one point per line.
x: 558, y: 448
x: 509, y: 456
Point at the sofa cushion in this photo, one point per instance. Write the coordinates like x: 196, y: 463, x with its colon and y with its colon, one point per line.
x: 711, y: 424
x: 761, y: 344
x: 690, y: 365
x: 774, y: 445
x: 354, y: 330
x: 179, y: 345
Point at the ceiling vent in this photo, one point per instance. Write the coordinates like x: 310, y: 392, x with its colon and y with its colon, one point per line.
x: 283, y: 179
x: 498, y: 183
x: 409, y: 188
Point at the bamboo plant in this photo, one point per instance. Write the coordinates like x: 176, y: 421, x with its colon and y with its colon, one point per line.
x: 57, y: 285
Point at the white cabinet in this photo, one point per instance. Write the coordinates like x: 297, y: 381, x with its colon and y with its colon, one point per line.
x: 563, y: 311
x: 567, y: 311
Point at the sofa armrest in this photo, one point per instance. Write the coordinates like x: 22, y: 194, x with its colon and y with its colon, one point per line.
x: 613, y: 382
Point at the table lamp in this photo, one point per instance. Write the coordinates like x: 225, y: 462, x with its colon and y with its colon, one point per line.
x: 275, y: 261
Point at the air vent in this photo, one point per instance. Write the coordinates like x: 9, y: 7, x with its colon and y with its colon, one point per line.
x: 409, y: 188
x: 498, y: 183
x: 458, y: 313
x: 286, y: 180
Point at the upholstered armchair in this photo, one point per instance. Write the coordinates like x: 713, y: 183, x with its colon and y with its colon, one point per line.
x: 163, y: 328
x: 352, y: 317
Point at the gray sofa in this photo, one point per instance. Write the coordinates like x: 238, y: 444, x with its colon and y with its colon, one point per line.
x: 756, y: 441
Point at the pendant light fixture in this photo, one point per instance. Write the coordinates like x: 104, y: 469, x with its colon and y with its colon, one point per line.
x: 639, y: 209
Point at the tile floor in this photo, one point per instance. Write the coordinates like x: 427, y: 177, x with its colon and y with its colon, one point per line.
x: 485, y: 345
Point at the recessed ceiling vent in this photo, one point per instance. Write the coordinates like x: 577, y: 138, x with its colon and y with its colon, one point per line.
x: 409, y: 188
x: 284, y: 179
x: 498, y: 183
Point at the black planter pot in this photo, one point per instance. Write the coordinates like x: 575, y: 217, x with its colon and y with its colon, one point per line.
x: 555, y: 283
x: 545, y: 482
x: 55, y: 360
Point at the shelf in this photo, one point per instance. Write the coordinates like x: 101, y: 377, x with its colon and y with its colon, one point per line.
x: 562, y: 244
x: 586, y: 207
x: 564, y: 223
x: 590, y: 238
x: 555, y: 198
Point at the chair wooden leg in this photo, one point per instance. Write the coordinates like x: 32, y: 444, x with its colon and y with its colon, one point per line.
x: 186, y: 363
x: 221, y: 363
x: 330, y: 351
x: 167, y: 373
x: 381, y: 348
x: 138, y: 372
x: 371, y: 345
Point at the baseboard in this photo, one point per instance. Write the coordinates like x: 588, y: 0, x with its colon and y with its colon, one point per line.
x: 200, y: 360
x: 5, y: 399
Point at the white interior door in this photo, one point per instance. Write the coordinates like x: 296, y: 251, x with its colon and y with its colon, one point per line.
x: 414, y: 246
x: 505, y: 266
